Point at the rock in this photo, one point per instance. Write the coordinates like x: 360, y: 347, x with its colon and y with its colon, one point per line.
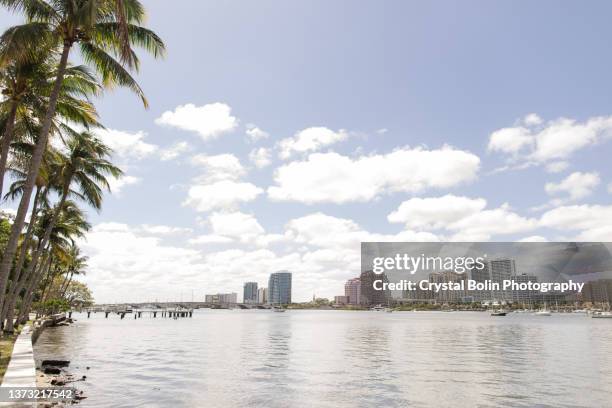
x: 58, y: 381
x: 52, y: 370
x: 57, y: 363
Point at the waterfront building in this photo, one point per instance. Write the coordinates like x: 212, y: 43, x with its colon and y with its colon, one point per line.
x: 597, y: 291
x: 279, y: 288
x: 250, y: 292
x: 341, y: 300
x: 481, y: 275
x: 352, y: 290
x: 527, y: 297
x: 371, y: 296
x: 262, y: 296
x: 452, y: 296
x: 502, y: 269
x: 222, y: 298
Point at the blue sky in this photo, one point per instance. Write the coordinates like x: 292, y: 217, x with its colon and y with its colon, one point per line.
x: 431, y: 120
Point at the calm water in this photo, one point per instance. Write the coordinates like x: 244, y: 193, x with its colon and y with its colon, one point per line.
x: 244, y: 358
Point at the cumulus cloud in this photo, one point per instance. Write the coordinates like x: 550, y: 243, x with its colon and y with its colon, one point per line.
x: 593, y: 222
x: 460, y: 218
x: 127, y: 144
x: 255, y: 134
x: 577, y: 185
x: 557, y: 167
x: 209, y: 121
x: 435, y: 212
x: 554, y: 140
x: 310, y: 140
x: 174, y: 151
x: 224, y: 194
x: 219, y: 167
x: 117, y: 184
x: 334, y: 178
x: 260, y: 157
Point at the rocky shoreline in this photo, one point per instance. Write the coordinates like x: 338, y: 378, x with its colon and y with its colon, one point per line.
x: 56, y: 373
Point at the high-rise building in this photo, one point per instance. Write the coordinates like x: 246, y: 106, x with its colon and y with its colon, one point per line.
x: 352, y: 289
x: 371, y: 296
x: 279, y: 288
x: 480, y: 275
x: 449, y: 277
x: 597, y: 291
x: 527, y: 297
x: 222, y: 298
x: 250, y: 292
x: 262, y: 296
x: 502, y: 269
x: 341, y: 300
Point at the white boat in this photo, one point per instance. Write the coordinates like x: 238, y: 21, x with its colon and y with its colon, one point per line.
x: 602, y: 315
x: 378, y: 308
x: 278, y: 309
x: 543, y: 312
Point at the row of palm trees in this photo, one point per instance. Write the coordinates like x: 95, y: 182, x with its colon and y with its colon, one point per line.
x: 48, y: 149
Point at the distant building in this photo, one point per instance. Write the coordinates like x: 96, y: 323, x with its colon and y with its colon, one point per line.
x: 279, y: 288
x: 502, y: 269
x: 352, y: 290
x: 597, y: 291
x: 250, y: 292
x: 262, y: 296
x: 450, y: 277
x: 369, y: 295
x: 341, y: 300
x: 481, y: 275
x: 527, y: 297
x: 222, y: 298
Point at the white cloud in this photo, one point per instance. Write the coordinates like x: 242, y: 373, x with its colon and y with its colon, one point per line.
x: 174, y: 151
x: 310, y: 140
x: 533, y: 238
x: 594, y: 222
x: 256, y: 134
x: 224, y: 194
x: 210, y: 239
x: 209, y: 121
x: 260, y: 157
x: 465, y: 219
x: 532, y: 119
x: 435, y: 212
x: 331, y: 177
x: 555, y: 140
x: 557, y: 167
x: 219, y: 167
x: 164, y: 230
x: 117, y: 184
x: 127, y: 144
x: 610, y: 188
x: 510, y: 140
x: 485, y: 224
x: 577, y: 185
x: 237, y: 225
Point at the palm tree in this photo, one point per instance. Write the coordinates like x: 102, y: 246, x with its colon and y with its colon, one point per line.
x: 86, y: 167
x: 102, y: 28
x: 69, y: 226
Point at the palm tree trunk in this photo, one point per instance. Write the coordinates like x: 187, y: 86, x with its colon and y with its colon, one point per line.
x: 18, y: 282
x: 29, y: 295
x: 7, y: 138
x: 67, y: 284
x: 35, y: 162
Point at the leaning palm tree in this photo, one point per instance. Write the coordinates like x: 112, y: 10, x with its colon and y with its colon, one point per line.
x: 103, y: 29
x: 71, y: 225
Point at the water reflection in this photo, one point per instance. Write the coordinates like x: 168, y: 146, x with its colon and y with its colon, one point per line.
x: 338, y: 359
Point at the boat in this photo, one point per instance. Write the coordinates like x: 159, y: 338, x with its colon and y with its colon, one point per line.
x: 543, y: 312
x: 278, y: 309
x: 377, y: 308
x: 602, y: 315
x: 388, y: 310
x: 499, y: 312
